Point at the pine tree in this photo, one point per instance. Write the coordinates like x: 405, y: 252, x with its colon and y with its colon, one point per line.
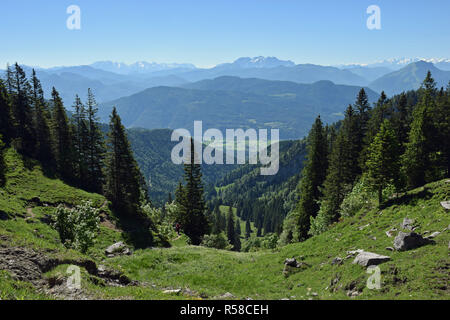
x: 81, y: 141
x: 383, y: 163
x: 193, y: 220
x: 231, y: 231
x: 2, y: 163
x: 313, y: 176
x: 248, y: 229
x: 5, y: 114
x: 22, y: 112
x: 63, y: 138
x: 362, y: 116
x: 123, y: 178
x: 401, y: 121
x: 343, y: 168
x: 95, y: 146
x: 416, y: 160
x: 44, y: 151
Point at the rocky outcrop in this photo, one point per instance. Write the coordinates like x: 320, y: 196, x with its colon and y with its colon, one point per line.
x: 366, y: 259
x: 117, y: 249
x: 409, y: 240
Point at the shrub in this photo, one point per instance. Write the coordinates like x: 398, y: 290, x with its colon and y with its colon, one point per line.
x: 217, y: 241
x: 77, y: 227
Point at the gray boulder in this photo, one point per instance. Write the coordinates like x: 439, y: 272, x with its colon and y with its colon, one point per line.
x: 366, y: 259
x: 445, y: 205
x: 409, y: 240
x: 118, y: 248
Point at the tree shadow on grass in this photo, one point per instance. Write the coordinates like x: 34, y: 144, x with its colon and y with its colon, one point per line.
x: 409, y: 198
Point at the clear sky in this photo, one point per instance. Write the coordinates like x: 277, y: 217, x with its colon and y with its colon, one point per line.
x: 208, y: 32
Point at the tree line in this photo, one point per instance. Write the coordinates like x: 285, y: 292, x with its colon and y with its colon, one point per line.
x: 72, y: 148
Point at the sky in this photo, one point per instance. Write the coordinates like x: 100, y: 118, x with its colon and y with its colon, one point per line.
x: 209, y: 32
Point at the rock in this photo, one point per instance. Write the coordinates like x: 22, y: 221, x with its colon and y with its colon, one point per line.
x: 118, y: 248
x: 337, y: 261
x: 366, y: 259
x: 409, y: 240
x: 390, y: 233
x: 389, y: 248
x: 433, y: 235
x: 407, y: 224
x: 176, y: 291
x: 363, y: 227
x: 445, y: 205
x: 227, y: 295
x: 291, y: 262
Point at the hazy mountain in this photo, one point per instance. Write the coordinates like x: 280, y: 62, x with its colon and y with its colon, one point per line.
x: 399, y: 63
x: 140, y: 67
x: 230, y: 102
x: 257, y: 62
x: 369, y: 73
x: 106, y: 85
x: 302, y: 73
x: 409, y: 78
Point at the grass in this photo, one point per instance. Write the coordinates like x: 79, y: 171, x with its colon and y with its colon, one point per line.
x: 422, y: 273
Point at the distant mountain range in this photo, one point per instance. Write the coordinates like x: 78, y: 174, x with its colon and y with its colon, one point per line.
x: 112, y: 80
x: 231, y: 102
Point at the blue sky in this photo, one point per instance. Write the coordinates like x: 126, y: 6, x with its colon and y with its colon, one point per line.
x: 210, y: 32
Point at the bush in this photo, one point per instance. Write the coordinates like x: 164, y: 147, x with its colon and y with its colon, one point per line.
x: 162, y: 220
x: 217, y: 241
x: 77, y: 227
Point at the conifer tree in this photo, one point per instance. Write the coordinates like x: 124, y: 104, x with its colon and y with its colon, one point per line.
x: 193, y: 220
x: 44, y: 151
x: 123, y: 187
x: 313, y: 176
x: 416, y: 160
x: 95, y: 146
x: 248, y: 229
x: 63, y: 138
x: 383, y: 162
x: 2, y: 163
x: 22, y: 112
x: 401, y: 121
x: 81, y: 141
x: 231, y: 231
x: 5, y: 114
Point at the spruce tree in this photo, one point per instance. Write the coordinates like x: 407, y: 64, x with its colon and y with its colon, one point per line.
x: 63, y: 139
x: 231, y: 231
x: 95, y: 146
x: 193, y: 220
x: 81, y: 141
x: 238, y: 227
x: 313, y: 176
x: 416, y: 160
x: 383, y: 162
x: 22, y: 112
x: 123, y: 186
x: 2, y: 163
x: 44, y: 150
x: 248, y: 229
x: 5, y: 114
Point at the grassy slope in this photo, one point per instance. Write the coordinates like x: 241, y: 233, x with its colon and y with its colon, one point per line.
x: 420, y: 273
